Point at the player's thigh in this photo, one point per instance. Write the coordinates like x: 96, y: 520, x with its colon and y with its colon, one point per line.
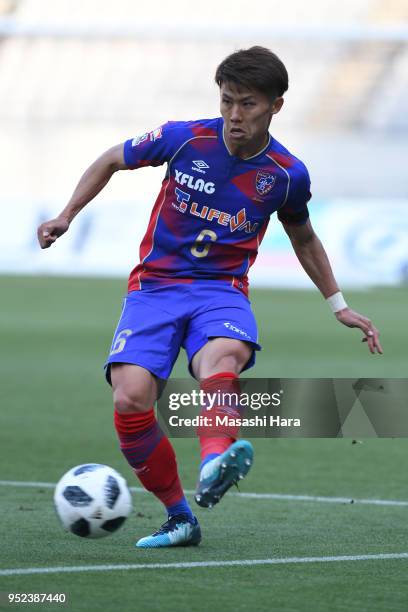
x: 221, y: 355
x: 222, y: 334
x: 147, y: 335
x: 134, y: 388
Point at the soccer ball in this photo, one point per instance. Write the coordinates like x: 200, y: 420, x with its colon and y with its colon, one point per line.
x: 92, y: 500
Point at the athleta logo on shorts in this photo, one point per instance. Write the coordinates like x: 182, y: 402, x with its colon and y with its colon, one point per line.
x: 197, y: 184
x: 236, y: 330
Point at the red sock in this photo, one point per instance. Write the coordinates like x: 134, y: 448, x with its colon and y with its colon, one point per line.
x: 215, y: 440
x: 150, y: 454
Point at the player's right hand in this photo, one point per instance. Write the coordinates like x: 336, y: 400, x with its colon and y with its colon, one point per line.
x: 350, y: 318
x: 49, y: 231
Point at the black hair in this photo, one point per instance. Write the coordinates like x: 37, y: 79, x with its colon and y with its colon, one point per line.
x: 256, y: 68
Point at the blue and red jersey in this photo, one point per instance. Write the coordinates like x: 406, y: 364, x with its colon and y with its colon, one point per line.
x: 213, y: 208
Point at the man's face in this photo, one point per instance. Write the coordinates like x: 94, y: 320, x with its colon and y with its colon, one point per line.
x: 247, y: 113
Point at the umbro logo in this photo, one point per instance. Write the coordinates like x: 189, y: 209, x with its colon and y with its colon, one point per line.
x: 200, y: 166
x: 199, y: 163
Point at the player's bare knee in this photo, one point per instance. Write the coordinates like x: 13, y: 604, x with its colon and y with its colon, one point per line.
x: 134, y: 388
x: 228, y: 363
x: 224, y: 356
x: 126, y: 403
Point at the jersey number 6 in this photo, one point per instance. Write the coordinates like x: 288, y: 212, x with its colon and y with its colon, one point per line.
x: 199, y: 249
x: 120, y: 341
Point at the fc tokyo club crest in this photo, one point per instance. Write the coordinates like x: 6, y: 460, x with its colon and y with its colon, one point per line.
x: 264, y: 182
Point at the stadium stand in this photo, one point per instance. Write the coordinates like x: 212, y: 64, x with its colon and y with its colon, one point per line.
x: 98, y: 71
x: 58, y: 75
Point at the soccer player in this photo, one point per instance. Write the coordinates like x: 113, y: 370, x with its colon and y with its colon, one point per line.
x: 225, y: 177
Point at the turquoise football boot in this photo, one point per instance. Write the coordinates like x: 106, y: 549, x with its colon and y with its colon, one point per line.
x: 178, y: 530
x: 219, y: 474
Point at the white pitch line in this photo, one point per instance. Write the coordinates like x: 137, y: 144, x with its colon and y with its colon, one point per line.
x: 20, y: 571
x: 325, y: 500
x: 22, y: 483
x: 276, y: 496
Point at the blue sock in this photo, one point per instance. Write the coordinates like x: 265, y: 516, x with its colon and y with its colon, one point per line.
x: 208, y: 458
x: 182, y: 507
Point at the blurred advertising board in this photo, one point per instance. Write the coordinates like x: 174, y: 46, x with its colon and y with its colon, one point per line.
x: 366, y: 240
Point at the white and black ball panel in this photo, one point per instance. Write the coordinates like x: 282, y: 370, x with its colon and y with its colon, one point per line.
x: 81, y: 528
x: 92, y: 500
x: 113, y: 524
x: 112, y: 491
x: 76, y: 496
x: 87, y: 467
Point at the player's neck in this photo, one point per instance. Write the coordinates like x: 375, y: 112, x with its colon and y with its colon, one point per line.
x: 247, y: 149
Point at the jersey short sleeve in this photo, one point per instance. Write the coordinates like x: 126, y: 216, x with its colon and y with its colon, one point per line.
x: 294, y: 211
x: 156, y: 147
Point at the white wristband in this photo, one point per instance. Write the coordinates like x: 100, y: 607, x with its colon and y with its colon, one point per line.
x: 336, y: 301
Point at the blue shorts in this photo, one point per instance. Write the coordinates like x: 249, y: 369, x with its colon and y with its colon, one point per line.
x: 156, y: 322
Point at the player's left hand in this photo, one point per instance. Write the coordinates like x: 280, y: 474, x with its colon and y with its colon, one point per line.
x: 350, y: 318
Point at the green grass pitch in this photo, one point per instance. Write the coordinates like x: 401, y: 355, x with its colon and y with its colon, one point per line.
x: 56, y: 412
